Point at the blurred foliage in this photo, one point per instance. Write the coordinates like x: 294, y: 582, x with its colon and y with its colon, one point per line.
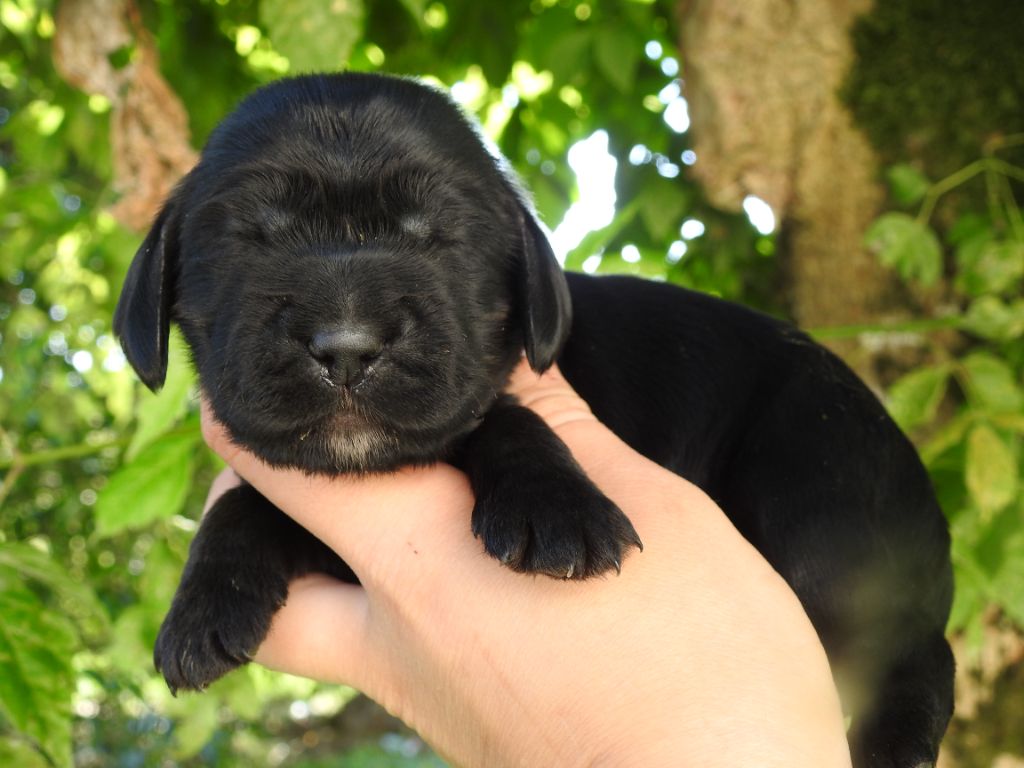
x: 967, y: 405
x: 103, y: 481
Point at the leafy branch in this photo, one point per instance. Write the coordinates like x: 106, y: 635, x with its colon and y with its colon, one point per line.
x: 967, y: 407
x: 18, y: 461
x: 987, y: 165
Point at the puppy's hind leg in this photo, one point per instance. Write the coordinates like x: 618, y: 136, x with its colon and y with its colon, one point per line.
x: 904, y: 725
x: 239, y: 566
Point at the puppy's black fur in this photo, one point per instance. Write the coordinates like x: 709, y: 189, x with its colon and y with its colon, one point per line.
x: 356, y: 277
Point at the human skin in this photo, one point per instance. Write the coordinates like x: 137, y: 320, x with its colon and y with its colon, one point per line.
x: 696, y: 654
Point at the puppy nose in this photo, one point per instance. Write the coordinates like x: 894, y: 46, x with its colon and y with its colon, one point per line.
x: 346, y: 350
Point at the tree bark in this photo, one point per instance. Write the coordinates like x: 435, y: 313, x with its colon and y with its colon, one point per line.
x: 762, y: 78
x: 149, y: 126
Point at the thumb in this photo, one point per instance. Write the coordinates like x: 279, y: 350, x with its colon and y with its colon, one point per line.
x: 550, y: 396
x: 617, y: 469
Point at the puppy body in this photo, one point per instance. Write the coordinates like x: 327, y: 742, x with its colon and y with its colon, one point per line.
x: 810, y: 469
x: 357, y: 276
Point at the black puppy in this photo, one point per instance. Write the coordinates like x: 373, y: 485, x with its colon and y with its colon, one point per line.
x: 357, y: 276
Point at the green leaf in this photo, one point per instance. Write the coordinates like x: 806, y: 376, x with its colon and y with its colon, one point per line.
x: 968, y: 226
x: 151, y: 487
x: 662, y: 208
x: 906, y: 245
x: 971, y: 595
x: 990, y: 471
x: 315, y: 35
x: 617, y: 55
x: 240, y: 693
x: 989, y: 265
x: 135, y: 629
x: 991, y: 318
x: 20, y: 755
x: 563, y: 53
x: 36, y: 677
x: 991, y: 384
x: 21, y: 561
x: 195, y: 727
x: 1008, y: 583
x: 914, y: 398
x: 416, y: 9
x: 130, y: 648
x: 945, y: 437
x: 996, y: 541
x: 158, y: 412
x: 1011, y: 421
x: 908, y: 185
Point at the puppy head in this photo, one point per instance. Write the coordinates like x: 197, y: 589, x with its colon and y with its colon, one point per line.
x: 355, y: 275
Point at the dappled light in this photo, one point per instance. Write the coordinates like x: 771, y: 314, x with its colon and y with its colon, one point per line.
x: 760, y: 214
x: 595, y: 182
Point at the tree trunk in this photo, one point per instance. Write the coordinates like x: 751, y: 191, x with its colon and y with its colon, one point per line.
x: 148, y: 126
x: 762, y: 78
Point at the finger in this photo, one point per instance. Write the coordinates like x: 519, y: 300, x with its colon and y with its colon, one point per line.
x: 225, y: 481
x: 610, y: 462
x: 359, y: 516
x: 319, y: 632
x: 216, y: 434
x: 549, y: 395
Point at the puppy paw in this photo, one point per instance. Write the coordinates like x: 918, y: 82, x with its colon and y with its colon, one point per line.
x: 218, y: 619
x: 558, y: 524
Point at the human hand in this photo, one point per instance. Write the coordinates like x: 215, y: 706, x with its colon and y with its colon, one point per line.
x: 696, y: 654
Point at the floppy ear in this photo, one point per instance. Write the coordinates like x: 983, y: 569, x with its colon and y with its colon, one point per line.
x: 142, y: 319
x: 544, y: 306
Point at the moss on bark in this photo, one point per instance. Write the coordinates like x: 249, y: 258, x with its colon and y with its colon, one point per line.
x: 934, y: 79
